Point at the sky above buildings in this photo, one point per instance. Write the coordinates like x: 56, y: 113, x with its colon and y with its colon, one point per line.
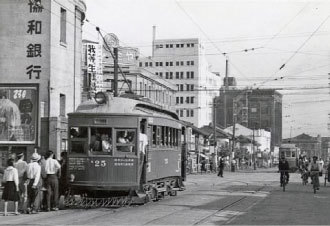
x: 269, y: 44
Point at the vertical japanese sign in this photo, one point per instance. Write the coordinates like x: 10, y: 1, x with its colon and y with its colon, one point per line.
x: 18, y: 114
x: 94, y: 66
x: 34, y: 50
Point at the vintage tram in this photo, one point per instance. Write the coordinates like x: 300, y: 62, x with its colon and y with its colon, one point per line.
x: 291, y: 153
x: 123, y: 150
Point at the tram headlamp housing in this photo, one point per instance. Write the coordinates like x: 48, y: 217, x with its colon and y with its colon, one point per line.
x: 100, y: 98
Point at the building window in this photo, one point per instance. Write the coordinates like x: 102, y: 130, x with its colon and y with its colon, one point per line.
x: 192, y: 63
x: 182, y: 63
x: 167, y: 63
x: 167, y: 45
x: 187, y: 113
x: 192, y: 44
x: 140, y: 64
x: 192, y: 100
x: 177, y: 100
x: 171, y: 45
x: 177, y: 75
x: 188, y: 63
x: 181, y: 100
x: 146, y: 64
x: 150, y: 64
x: 188, y: 45
x: 63, y: 26
x: 182, y: 45
x: 191, y: 113
x: 161, y: 74
x: 177, y: 45
x: 192, y: 87
x: 187, y: 100
x: 192, y: 75
x: 166, y: 75
x: 171, y: 75
x: 177, y: 63
x: 188, y: 74
x: 161, y: 46
x: 188, y: 87
x: 171, y: 63
x: 181, y: 87
x: 62, y: 105
x: 181, y: 75
x: 181, y: 113
x: 161, y: 64
x: 157, y: 64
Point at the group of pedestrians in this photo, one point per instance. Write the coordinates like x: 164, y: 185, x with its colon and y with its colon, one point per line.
x: 24, y: 183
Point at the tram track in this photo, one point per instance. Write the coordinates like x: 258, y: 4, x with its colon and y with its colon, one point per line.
x: 222, y: 209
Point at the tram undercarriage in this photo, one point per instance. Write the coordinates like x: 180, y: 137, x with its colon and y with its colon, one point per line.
x: 152, y: 191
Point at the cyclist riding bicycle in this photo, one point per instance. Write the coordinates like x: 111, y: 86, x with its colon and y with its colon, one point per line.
x: 284, y: 168
x: 314, y: 168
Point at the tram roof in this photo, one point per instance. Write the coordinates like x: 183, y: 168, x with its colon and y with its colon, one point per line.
x: 288, y: 145
x: 121, y: 105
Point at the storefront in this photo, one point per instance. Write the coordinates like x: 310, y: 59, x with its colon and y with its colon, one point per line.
x: 19, y: 120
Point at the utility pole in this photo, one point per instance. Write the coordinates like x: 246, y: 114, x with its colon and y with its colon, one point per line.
x: 115, y: 76
x: 253, y: 151
x: 232, y: 152
x: 225, y: 95
x: 214, y: 132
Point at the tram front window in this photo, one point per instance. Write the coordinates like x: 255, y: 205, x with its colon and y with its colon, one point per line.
x: 125, y: 141
x: 78, y: 136
x: 101, y: 141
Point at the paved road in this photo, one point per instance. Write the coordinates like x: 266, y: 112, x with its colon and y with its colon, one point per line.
x: 238, y: 198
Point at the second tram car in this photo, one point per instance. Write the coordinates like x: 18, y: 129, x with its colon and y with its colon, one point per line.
x: 291, y: 153
x: 124, y: 147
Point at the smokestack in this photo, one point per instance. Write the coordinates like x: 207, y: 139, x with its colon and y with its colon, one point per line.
x: 153, y: 39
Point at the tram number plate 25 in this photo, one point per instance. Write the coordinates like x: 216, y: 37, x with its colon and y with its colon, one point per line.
x: 99, y: 163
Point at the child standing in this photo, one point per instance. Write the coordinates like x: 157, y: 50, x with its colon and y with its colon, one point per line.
x: 11, y: 190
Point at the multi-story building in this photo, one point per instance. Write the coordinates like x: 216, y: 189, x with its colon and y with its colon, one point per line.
x: 255, y: 109
x: 182, y: 62
x: 40, y: 65
x: 131, y: 80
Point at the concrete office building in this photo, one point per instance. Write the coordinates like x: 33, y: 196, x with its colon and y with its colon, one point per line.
x: 40, y: 69
x: 183, y: 63
x: 254, y: 109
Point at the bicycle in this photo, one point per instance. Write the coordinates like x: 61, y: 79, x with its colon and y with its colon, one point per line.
x: 314, y: 175
x: 304, y: 176
x: 284, y: 181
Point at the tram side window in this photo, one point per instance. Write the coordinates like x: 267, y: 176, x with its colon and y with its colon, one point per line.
x: 293, y: 154
x: 154, y: 135
x: 125, y: 141
x: 78, y: 136
x: 101, y: 141
x: 287, y: 153
x: 159, y: 135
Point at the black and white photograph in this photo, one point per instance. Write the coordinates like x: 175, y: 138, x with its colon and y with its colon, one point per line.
x: 164, y: 112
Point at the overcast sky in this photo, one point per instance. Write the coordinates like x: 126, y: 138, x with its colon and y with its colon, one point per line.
x: 294, y: 33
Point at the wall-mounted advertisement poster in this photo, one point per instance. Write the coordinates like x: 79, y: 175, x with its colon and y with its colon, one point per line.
x: 18, y: 114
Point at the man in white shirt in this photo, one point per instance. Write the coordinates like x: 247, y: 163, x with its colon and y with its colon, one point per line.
x: 53, y: 171
x: 33, y: 175
x: 21, y: 167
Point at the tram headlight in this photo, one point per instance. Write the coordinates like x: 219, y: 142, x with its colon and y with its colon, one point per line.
x: 100, y: 98
x: 72, y: 177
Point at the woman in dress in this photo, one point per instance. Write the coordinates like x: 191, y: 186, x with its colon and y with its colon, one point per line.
x: 11, y: 190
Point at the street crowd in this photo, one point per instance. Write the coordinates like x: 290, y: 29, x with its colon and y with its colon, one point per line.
x: 34, y: 186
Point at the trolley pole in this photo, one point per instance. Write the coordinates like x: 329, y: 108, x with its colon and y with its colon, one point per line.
x: 115, y: 76
x: 225, y: 96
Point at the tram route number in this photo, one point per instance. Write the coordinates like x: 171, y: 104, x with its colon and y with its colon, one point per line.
x: 99, y: 163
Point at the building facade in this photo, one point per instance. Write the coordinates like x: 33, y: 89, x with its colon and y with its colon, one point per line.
x: 182, y: 62
x: 254, y: 109
x: 131, y: 79
x: 39, y: 73
x: 309, y: 146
